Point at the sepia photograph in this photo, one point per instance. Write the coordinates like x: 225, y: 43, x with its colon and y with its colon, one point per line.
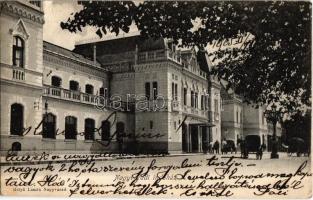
x: 161, y: 99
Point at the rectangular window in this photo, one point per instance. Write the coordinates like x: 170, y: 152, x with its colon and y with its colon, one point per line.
x: 74, y: 85
x: 147, y: 90
x: 185, y: 96
x: 151, y: 124
x: 216, y: 105
x: 222, y: 108
x: 202, y: 102
x: 192, y: 98
x: 175, y: 91
x: 155, y: 90
x: 237, y: 118
x: 196, y: 100
x: 106, y: 95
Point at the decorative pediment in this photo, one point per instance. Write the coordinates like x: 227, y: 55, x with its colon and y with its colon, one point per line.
x: 20, y: 29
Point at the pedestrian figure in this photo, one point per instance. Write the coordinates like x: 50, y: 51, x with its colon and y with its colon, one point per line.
x: 211, y: 150
x: 216, y: 147
x: 205, y: 147
x: 259, y: 153
x: 119, y: 138
x: 224, y: 146
x: 243, y: 149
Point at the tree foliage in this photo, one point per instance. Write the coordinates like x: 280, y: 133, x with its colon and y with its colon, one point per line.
x: 276, y: 67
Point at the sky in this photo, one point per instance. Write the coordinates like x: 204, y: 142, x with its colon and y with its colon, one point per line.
x: 57, y: 11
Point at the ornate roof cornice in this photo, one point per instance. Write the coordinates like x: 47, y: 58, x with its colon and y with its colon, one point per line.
x: 23, y: 11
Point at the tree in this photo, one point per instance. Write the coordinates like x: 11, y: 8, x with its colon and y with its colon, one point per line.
x: 275, y: 66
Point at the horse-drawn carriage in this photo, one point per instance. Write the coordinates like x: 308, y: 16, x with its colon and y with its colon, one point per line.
x: 298, y: 146
x: 229, y: 146
x: 251, y: 144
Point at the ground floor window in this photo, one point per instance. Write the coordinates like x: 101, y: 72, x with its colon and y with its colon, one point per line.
x: 105, y: 130
x: 17, y: 119
x: 70, y: 127
x: 89, y: 129
x: 49, y: 126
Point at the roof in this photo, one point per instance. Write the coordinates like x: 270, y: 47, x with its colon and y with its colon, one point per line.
x: 119, y: 46
x: 68, y: 53
x: 226, y: 95
x: 204, y: 61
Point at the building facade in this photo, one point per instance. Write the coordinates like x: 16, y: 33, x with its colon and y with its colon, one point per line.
x: 124, y: 94
x: 232, y: 117
x: 240, y: 120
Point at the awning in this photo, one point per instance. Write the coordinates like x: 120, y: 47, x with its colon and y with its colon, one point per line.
x: 203, y: 124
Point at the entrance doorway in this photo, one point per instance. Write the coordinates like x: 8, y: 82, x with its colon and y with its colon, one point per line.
x: 194, y: 138
x: 205, y: 138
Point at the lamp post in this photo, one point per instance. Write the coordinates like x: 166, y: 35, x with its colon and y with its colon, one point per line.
x: 273, y: 116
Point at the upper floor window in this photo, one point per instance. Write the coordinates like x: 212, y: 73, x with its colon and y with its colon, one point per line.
x: 151, y: 124
x: 216, y: 105
x: 172, y: 46
x: 36, y: 3
x: 56, y: 81
x: 192, y: 98
x: 155, y: 90
x: 89, y: 89
x: 202, y: 102
x: 185, y: 96
x: 18, y: 52
x: 196, y: 100
x: 104, y: 92
x: 147, y: 90
x: 174, y: 91
x: 237, y: 118
x: 74, y: 85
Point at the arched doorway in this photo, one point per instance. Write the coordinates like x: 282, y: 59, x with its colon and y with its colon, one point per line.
x: 194, y: 138
x: 49, y: 126
x: 105, y: 130
x: 17, y: 119
x: 184, y: 137
x: 70, y: 127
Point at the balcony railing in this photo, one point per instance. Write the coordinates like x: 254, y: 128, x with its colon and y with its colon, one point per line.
x: 71, y: 95
x: 175, y: 105
x: 158, y: 55
x: 18, y: 74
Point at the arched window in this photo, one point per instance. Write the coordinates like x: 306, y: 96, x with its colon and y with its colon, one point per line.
x: 101, y: 91
x: 56, y: 81
x: 18, y: 51
x: 16, y: 146
x: 104, y: 92
x: 89, y: 129
x: 17, y: 119
x: 89, y: 89
x: 105, y: 130
x: 49, y: 126
x: 70, y: 127
x: 74, y: 85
